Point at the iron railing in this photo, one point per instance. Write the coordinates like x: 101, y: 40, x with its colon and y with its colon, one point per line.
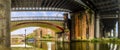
x: 36, y: 18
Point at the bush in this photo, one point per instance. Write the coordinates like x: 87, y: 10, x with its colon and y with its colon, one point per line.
x: 48, y: 36
x: 95, y: 40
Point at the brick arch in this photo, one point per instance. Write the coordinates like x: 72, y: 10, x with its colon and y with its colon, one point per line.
x: 38, y: 24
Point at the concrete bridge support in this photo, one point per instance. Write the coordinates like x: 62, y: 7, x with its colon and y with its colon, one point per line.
x: 114, y: 32
x: 78, y: 26
x: 72, y: 26
x: 119, y: 25
x: 90, y: 24
x: 5, y: 6
x: 97, y: 26
x: 82, y: 26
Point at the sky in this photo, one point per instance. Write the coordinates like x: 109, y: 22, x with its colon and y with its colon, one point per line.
x: 32, y: 14
x: 22, y: 30
x: 36, y: 13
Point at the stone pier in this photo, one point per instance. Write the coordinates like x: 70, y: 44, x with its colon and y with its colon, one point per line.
x: 5, y: 6
x: 82, y: 25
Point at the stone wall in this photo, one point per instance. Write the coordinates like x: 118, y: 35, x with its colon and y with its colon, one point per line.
x: 5, y: 8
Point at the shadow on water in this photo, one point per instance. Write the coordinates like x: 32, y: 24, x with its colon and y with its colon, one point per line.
x: 45, y: 45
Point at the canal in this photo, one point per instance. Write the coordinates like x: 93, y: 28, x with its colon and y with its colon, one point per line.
x: 45, y: 45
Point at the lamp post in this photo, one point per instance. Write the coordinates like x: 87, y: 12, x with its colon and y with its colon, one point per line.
x: 25, y: 38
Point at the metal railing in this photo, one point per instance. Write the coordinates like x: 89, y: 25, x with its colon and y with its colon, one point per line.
x: 36, y: 18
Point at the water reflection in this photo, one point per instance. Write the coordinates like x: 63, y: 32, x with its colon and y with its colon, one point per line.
x: 46, y: 45
x: 77, y: 46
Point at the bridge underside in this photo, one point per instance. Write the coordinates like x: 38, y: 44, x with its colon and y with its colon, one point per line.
x: 46, y: 5
x: 89, y: 18
x: 108, y: 14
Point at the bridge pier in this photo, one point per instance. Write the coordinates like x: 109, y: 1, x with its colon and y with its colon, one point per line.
x: 5, y: 7
x: 118, y: 24
x: 73, y: 37
x: 66, y: 34
x: 114, y: 32
x: 82, y: 27
x: 97, y: 26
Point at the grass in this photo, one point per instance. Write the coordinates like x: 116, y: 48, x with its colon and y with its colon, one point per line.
x: 103, y: 40
x: 107, y: 40
x: 31, y: 48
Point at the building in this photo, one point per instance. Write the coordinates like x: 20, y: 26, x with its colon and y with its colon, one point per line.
x: 17, y: 39
x: 44, y: 33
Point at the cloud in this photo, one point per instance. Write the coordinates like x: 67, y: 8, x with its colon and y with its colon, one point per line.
x: 22, y: 30
x: 44, y: 14
x: 36, y: 13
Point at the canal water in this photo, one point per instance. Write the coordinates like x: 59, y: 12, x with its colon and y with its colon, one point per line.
x: 45, y: 45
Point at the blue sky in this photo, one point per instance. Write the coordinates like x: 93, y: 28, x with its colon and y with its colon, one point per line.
x: 22, y: 30
x: 32, y: 14
x: 36, y: 13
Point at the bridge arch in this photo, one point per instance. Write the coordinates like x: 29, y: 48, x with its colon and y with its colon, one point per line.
x: 52, y: 26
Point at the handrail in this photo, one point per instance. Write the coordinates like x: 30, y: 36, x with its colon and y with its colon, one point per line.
x: 36, y: 18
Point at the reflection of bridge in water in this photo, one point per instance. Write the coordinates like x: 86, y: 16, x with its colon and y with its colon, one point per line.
x: 76, y: 46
